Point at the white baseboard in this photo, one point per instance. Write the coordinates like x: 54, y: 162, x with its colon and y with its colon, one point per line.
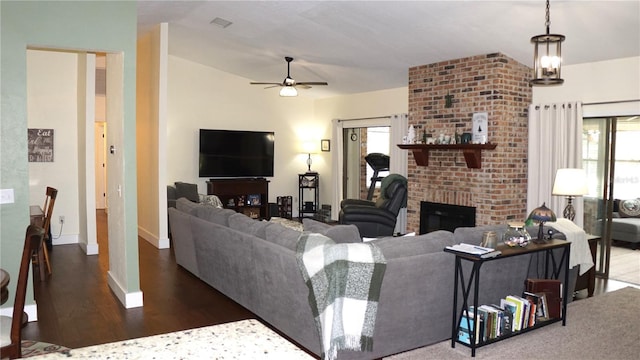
x: 129, y: 300
x: 66, y: 239
x: 89, y: 249
x: 153, y: 239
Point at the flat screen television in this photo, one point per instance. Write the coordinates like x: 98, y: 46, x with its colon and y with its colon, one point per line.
x: 233, y: 153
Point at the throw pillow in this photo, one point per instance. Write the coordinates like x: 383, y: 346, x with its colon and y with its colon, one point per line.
x: 190, y: 191
x: 630, y: 208
x: 210, y: 200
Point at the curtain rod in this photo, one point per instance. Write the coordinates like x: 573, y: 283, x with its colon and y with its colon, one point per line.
x: 365, y: 118
x: 610, y: 102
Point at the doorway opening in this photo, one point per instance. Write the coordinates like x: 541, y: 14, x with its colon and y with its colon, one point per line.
x: 359, y: 174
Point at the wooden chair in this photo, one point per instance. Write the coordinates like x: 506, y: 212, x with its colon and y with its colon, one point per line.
x: 10, y: 336
x: 43, y: 252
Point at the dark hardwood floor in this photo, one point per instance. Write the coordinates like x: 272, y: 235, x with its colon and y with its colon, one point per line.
x: 76, y: 308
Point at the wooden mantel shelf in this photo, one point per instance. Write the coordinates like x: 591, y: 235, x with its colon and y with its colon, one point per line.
x: 472, y: 152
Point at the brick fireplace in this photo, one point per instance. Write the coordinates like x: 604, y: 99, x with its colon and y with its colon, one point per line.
x: 492, y: 83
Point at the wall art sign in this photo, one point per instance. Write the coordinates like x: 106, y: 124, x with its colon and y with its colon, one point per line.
x: 40, y: 145
x: 480, y: 123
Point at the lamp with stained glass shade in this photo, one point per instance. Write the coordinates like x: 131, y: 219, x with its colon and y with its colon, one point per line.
x: 541, y: 215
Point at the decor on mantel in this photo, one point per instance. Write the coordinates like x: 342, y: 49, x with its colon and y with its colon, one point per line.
x: 547, y: 56
x: 570, y: 183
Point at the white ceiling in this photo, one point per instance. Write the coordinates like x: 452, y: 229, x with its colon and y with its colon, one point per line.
x: 359, y: 46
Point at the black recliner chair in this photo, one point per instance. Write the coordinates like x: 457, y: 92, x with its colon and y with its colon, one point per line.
x: 375, y: 219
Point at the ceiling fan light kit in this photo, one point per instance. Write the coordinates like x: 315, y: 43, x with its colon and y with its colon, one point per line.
x: 288, y: 91
x: 289, y: 84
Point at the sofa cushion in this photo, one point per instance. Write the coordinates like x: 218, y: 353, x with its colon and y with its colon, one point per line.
x: 630, y: 208
x: 245, y: 224
x: 337, y: 233
x: 190, y: 191
x: 215, y: 215
x: 404, y: 246
x: 282, y: 236
x: 186, y: 206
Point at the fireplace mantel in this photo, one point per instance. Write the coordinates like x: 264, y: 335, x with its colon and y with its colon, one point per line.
x: 472, y: 152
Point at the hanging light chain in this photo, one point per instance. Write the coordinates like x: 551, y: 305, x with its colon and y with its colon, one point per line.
x: 548, y: 17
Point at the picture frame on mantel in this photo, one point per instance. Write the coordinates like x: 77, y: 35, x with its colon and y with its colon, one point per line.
x: 480, y: 128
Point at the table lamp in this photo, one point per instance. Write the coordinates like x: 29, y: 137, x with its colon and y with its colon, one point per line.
x: 310, y: 147
x: 570, y: 183
x: 541, y: 215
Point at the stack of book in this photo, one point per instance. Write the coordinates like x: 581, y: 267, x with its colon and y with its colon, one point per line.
x: 540, y: 302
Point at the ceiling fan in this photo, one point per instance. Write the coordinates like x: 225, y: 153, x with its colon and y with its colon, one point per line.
x: 289, y: 85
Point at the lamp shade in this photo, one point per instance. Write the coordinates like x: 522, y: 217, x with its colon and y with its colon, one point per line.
x: 570, y: 182
x: 309, y: 147
x: 288, y: 91
x: 542, y: 214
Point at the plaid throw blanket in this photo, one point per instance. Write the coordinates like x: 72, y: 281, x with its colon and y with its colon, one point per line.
x: 344, y: 283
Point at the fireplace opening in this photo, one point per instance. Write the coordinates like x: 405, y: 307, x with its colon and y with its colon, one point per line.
x: 437, y: 216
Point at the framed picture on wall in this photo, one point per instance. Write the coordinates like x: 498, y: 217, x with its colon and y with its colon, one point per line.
x: 325, y: 145
x: 40, y: 145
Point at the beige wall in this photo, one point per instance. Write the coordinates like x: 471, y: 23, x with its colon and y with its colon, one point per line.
x: 150, y: 136
x: 52, y: 103
x: 603, y: 81
x: 203, y: 97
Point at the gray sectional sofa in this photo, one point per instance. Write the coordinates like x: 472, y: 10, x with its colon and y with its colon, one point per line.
x: 254, y: 263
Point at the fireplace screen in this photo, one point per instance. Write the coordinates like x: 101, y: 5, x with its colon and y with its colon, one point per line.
x: 437, y: 216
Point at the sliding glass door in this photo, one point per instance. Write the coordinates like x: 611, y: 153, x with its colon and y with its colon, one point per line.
x: 358, y: 143
x: 611, y: 158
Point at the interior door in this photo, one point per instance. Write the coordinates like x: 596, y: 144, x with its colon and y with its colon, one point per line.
x: 100, y: 165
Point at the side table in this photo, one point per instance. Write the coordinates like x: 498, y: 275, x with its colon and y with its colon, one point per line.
x: 588, y: 279
x: 470, y: 287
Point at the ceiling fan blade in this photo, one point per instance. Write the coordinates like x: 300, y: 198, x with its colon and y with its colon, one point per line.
x: 312, y: 83
x: 288, y: 81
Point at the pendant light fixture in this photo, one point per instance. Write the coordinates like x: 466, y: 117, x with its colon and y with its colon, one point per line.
x: 547, y: 56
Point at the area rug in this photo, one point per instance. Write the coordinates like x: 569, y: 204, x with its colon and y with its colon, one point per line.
x: 605, y: 326
x: 35, y: 348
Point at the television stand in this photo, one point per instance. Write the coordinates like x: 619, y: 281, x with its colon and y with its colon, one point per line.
x: 249, y: 196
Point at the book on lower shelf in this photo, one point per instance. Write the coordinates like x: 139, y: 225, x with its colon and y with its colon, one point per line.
x: 553, y: 292
x: 467, y: 322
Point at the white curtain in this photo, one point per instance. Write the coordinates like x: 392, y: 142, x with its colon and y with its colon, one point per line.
x: 398, y: 160
x: 555, y: 142
x: 336, y: 168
